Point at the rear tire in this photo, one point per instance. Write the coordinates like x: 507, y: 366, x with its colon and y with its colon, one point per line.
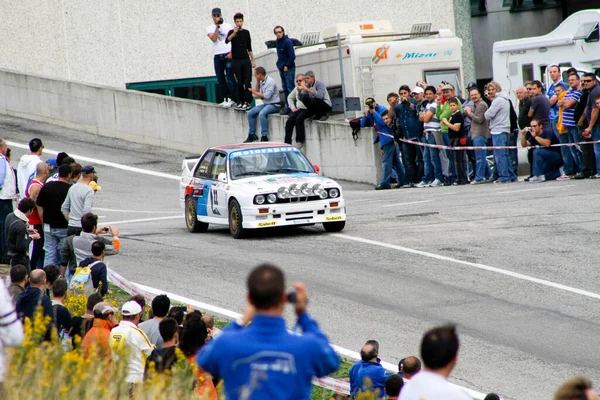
x: 334, y: 226
x: 236, y: 221
x: 191, y: 219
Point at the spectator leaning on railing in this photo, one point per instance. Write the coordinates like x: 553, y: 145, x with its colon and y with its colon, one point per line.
x: 263, y: 360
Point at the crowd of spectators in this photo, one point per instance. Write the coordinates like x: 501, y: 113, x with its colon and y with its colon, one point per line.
x: 565, y: 114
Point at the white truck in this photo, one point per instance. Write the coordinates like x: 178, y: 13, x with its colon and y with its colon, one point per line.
x: 574, y: 43
x: 376, y: 60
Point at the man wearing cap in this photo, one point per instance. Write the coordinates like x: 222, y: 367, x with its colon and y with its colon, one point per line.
x: 408, y: 120
x: 127, y: 337
x: 80, y: 200
x: 217, y: 33
x: 99, y: 335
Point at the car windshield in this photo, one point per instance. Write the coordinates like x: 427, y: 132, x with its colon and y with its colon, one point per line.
x: 266, y: 161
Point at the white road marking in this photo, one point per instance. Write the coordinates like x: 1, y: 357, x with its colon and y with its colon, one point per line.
x: 133, y: 221
x: 406, y: 204
x: 136, y: 211
x: 102, y: 162
x: 535, y: 189
x: 474, y: 265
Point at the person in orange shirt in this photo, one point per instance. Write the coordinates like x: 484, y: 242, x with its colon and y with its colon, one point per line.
x: 97, y: 337
x: 193, y: 336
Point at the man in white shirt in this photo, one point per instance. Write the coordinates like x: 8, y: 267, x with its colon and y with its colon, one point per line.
x: 217, y: 33
x: 28, y: 164
x: 8, y: 190
x: 127, y: 337
x: 439, y: 352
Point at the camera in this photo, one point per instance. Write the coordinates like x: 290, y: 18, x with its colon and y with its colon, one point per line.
x: 220, y: 21
x: 292, y: 297
x: 528, y: 129
x: 371, y: 106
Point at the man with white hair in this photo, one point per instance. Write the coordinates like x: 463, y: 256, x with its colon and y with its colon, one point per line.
x: 8, y: 191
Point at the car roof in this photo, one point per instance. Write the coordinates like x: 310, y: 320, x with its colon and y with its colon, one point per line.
x: 245, y: 146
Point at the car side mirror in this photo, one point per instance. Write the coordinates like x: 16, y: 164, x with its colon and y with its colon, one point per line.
x: 316, y: 167
x: 222, y: 177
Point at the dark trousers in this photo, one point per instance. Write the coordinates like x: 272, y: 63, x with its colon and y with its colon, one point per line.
x: 315, y: 107
x: 223, y: 69
x: 19, y: 259
x: 6, y: 207
x: 242, y: 70
x: 413, y: 162
x: 588, y: 157
x: 530, y: 161
x: 37, y: 253
x: 296, y: 119
x: 71, y: 230
x: 459, y: 162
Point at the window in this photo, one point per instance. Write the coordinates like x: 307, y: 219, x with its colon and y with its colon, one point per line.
x: 434, y: 78
x: 528, y: 5
x: 191, y: 92
x: 527, y: 70
x: 478, y: 8
x: 218, y: 165
x: 202, y: 170
x: 588, y: 32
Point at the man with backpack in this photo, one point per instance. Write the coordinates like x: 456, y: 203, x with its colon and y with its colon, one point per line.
x: 98, y: 271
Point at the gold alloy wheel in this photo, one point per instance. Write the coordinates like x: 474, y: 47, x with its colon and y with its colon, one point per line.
x: 190, y: 213
x: 234, y: 219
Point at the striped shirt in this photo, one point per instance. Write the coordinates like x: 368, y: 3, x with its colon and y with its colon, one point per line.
x: 434, y: 123
x: 568, y: 116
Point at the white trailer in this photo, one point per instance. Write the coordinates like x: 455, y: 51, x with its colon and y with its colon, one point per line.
x: 376, y: 61
x: 574, y: 43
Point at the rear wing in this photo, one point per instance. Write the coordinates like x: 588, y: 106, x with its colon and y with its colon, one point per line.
x: 188, y: 164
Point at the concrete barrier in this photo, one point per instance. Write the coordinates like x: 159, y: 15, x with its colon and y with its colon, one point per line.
x: 174, y: 123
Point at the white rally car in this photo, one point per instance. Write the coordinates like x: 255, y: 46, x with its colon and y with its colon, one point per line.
x: 258, y: 185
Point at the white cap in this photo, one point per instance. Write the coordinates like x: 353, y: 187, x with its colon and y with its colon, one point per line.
x: 418, y: 89
x: 131, y: 308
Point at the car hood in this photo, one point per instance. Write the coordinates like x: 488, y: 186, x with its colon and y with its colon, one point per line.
x: 270, y: 183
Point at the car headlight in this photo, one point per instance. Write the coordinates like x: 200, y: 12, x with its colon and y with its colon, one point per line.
x: 307, y: 189
x: 334, y: 192
x: 283, y: 193
x: 295, y: 190
x: 272, y: 198
x: 259, y: 199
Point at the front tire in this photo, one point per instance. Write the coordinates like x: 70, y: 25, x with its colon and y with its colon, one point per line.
x: 334, y: 226
x: 191, y: 219
x: 235, y: 220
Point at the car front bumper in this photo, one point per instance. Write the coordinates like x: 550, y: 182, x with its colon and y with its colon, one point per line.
x: 294, y: 214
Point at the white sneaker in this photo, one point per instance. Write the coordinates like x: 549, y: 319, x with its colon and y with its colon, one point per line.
x: 436, y: 183
x: 422, y: 184
x: 538, y: 179
x: 226, y: 104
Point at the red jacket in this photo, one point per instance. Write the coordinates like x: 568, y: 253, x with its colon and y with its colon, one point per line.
x: 98, y: 336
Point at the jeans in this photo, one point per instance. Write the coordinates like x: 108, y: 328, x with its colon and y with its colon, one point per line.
x: 224, y: 67
x: 434, y: 156
x: 242, y: 70
x: 54, y: 241
x: 596, y: 136
x: 568, y: 162
x: 482, y: 169
x: 503, y: 167
x: 574, y: 137
x: 547, y: 162
x: 391, y: 160
x: 287, y: 84
x: 262, y: 112
x: 6, y: 207
x: 296, y: 119
x: 37, y: 252
x: 413, y: 162
x: 514, y: 153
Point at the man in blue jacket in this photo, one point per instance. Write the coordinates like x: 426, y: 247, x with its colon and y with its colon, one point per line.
x: 286, y: 58
x: 372, y: 375
x: 407, y: 116
x: 355, y: 369
x: 263, y: 360
x: 389, y: 150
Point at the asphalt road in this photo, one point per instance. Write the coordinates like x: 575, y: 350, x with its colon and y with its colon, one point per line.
x: 515, y: 266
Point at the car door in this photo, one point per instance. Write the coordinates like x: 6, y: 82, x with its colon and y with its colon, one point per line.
x: 218, y: 193
x: 203, y: 184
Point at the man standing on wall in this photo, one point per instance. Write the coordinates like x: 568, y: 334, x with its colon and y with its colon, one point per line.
x: 286, y: 57
x: 217, y: 33
x: 241, y: 54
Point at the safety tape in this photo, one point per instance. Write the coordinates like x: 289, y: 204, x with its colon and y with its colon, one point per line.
x: 443, y: 147
x: 337, y: 385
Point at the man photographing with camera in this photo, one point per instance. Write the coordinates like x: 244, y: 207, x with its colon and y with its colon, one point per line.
x: 217, y: 33
x: 261, y: 359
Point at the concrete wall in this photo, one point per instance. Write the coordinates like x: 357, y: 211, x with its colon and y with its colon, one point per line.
x: 179, y: 124
x: 113, y: 42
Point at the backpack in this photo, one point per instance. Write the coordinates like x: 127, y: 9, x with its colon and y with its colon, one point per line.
x: 514, y: 122
x: 355, y: 125
x: 82, y: 280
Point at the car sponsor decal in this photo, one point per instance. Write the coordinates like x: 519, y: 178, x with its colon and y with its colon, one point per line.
x: 282, y: 180
x: 270, y: 223
x: 301, y: 221
x: 333, y: 218
x: 250, y: 152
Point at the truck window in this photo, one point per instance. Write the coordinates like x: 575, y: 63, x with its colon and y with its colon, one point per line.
x: 435, y: 77
x: 527, y: 70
